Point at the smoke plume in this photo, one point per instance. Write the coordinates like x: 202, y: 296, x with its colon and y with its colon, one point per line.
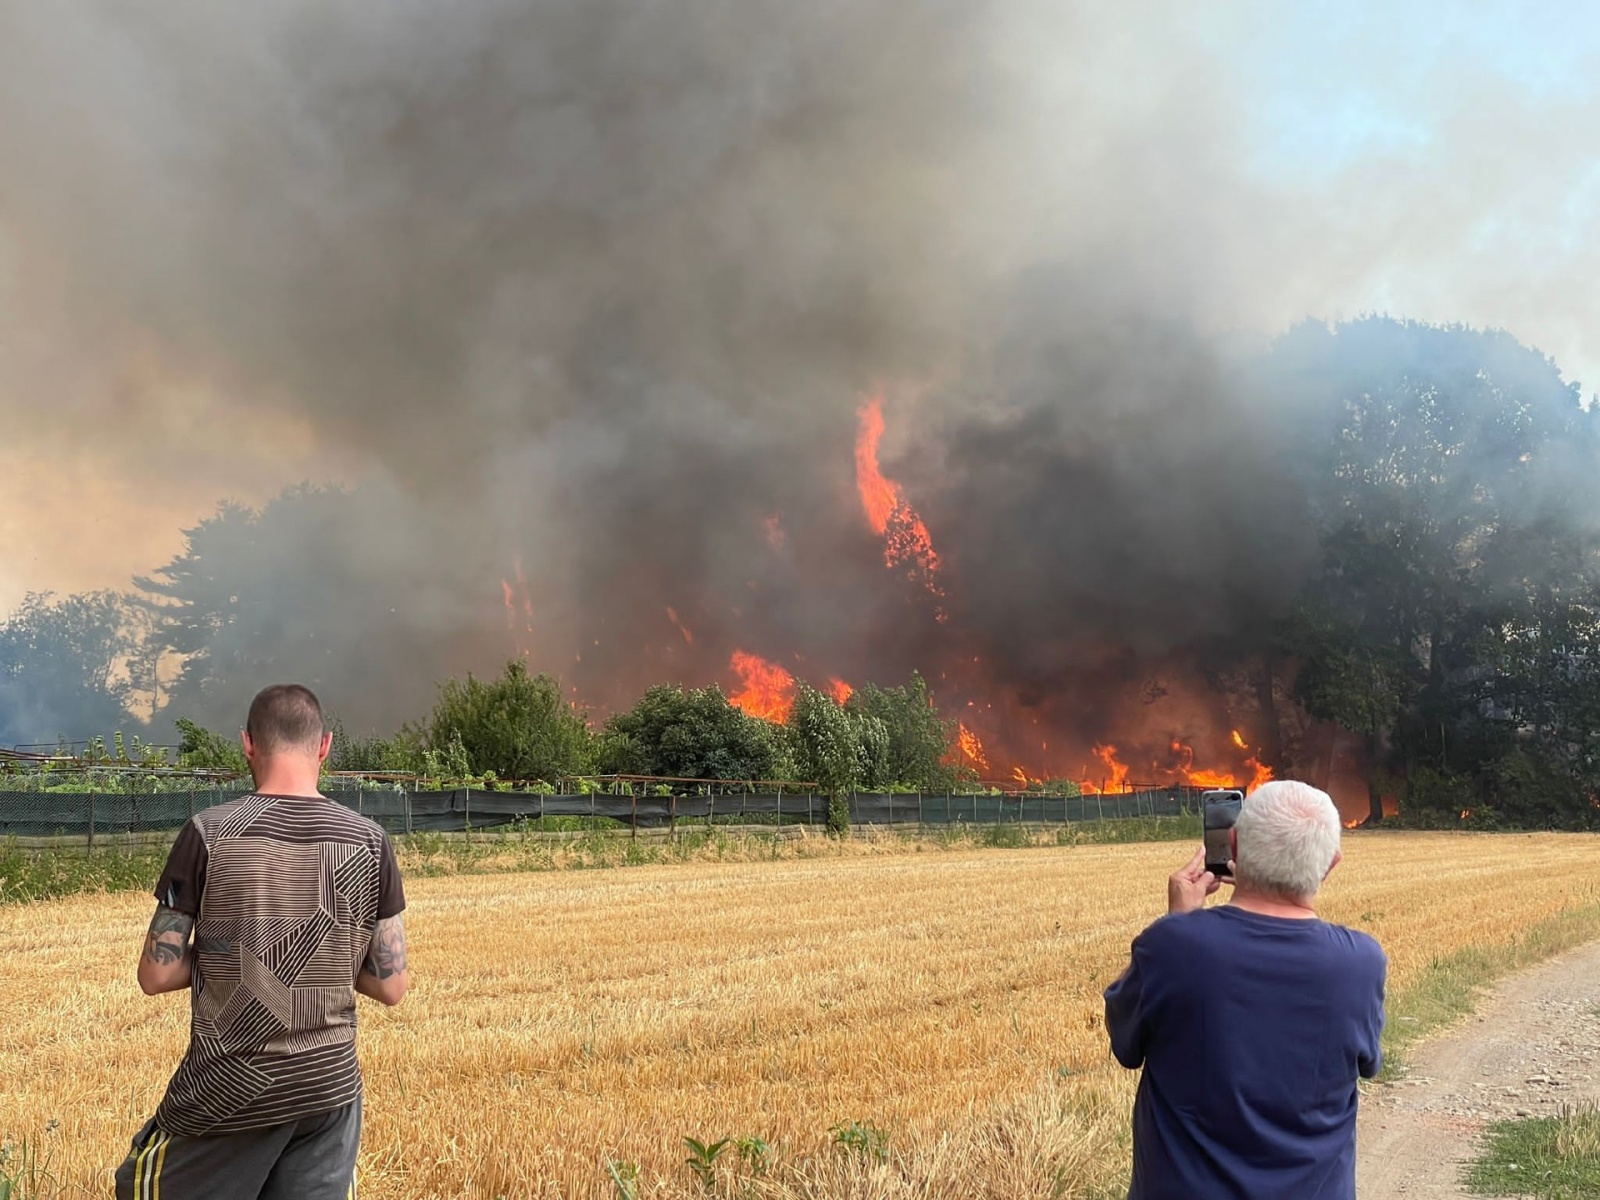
x: 594, y: 292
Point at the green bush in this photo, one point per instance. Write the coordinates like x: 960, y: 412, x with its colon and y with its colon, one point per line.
x: 692, y: 735
x: 519, y: 726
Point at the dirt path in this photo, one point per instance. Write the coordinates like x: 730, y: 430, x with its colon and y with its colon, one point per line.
x: 1532, y: 1046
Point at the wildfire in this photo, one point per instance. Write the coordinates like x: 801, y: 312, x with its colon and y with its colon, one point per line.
x: 969, y: 749
x: 906, y: 542
x: 1116, y: 776
x: 840, y: 691
x: 518, y: 605
x: 767, y: 689
x: 672, y: 616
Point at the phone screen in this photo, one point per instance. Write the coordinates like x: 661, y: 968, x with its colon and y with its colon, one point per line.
x: 1221, y: 811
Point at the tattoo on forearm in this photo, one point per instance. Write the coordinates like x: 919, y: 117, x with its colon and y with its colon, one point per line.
x: 168, y: 936
x: 386, y: 955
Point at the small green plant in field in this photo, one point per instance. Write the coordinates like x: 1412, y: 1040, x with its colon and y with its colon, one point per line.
x: 863, y: 1139
x: 754, y: 1153
x: 1006, y: 835
x: 1552, y: 1158
x: 703, y: 1158
x: 624, y: 1177
x: 24, y: 1171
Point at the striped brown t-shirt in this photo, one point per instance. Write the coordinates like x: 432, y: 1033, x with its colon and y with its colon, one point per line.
x: 285, y: 892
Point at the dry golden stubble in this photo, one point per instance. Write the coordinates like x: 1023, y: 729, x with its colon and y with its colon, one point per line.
x: 939, y: 1012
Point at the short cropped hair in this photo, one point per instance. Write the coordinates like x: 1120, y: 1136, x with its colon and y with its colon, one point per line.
x: 285, y: 716
x: 1288, y: 836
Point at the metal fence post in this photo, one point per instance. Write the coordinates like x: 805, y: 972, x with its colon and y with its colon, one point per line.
x: 407, y: 795
x: 91, y: 822
x: 467, y: 802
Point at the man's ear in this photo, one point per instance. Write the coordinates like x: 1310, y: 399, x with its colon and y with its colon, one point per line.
x: 327, y: 745
x: 1338, y: 857
x: 249, y: 745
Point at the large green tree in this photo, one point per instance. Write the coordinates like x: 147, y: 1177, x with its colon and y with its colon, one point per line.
x: 518, y: 726
x: 68, y: 666
x: 694, y: 734
x: 1454, y: 477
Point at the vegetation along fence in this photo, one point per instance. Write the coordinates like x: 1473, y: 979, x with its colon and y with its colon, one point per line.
x: 101, y: 815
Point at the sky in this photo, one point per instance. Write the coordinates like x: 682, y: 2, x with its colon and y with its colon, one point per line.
x: 1246, y: 164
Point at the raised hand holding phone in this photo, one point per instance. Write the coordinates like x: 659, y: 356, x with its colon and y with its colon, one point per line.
x: 1190, y: 884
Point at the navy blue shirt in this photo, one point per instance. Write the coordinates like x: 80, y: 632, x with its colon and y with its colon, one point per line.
x: 1251, y: 1031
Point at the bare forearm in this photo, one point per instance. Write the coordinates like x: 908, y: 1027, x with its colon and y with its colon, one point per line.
x: 167, y: 963
x: 385, y: 991
x: 383, y: 975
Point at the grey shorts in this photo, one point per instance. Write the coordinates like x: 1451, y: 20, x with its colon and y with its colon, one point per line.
x: 313, y: 1158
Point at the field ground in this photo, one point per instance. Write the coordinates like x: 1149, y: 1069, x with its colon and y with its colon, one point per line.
x: 563, y: 1020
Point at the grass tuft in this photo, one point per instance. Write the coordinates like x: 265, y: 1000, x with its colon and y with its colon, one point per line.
x: 1549, y: 1158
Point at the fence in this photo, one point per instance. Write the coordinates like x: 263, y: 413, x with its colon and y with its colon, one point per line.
x: 101, y: 815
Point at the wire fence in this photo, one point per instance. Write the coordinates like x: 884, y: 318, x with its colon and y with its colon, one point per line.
x: 105, y: 816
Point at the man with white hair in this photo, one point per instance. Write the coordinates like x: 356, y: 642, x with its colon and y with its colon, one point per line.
x: 1252, y: 1020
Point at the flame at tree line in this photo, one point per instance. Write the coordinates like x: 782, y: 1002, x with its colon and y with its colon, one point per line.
x: 766, y: 689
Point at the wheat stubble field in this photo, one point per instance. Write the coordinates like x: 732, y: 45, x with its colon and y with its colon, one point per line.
x: 561, y: 1021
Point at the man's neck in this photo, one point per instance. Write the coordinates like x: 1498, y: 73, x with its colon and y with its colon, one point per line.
x: 287, y: 783
x: 1268, y: 905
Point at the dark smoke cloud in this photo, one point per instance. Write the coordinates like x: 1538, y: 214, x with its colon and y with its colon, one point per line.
x: 599, y: 286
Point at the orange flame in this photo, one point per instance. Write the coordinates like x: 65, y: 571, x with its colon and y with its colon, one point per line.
x: 906, y: 541
x: 519, y: 607
x: 768, y: 689
x: 969, y: 750
x: 1116, y: 778
x: 1465, y: 813
x: 840, y: 691
x: 1352, y: 823
x: 1238, y: 740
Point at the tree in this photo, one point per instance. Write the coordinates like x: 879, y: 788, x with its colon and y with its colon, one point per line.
x: 518, y: 726
x: 915, y: 739
x: 696, y: 734
x: 827, y: 749
x: 1437, y: 459
x: 63, y: 666
x: 314, y: 587
x: 201, y: 750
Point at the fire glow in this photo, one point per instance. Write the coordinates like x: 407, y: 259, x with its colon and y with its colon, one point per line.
x: 1141, y: 754
x: 906, y: 541
x: 766, y: 691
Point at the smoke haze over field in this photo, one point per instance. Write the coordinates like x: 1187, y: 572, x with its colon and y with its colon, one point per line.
x: 598, y: 288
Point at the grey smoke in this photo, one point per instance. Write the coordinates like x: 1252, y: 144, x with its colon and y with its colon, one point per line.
x: 598, y: 286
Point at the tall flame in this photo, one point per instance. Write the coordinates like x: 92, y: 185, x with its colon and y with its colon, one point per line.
x: 840, y: 691
x: 906, y: 541
x: 767, y: 691
x: 519, y: 608
x: 969, y: 750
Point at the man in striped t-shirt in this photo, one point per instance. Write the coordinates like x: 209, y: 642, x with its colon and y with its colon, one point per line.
x: 294, y: 905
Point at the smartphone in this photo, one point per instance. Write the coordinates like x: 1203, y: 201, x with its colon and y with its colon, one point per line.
x: 1221, y: 810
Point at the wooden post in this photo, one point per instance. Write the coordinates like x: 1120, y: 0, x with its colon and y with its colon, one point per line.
x: 672, y: 815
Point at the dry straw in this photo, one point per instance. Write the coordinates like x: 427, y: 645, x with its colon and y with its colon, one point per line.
x: 908, y: 1025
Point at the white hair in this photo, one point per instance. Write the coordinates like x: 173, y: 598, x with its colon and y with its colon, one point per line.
x: 1288, y: 837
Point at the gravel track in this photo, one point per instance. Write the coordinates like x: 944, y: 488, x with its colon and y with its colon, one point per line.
x: 1532, y: 1046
